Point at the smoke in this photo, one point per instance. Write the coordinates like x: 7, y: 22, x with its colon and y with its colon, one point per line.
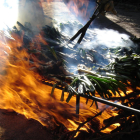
x: 31, y: 11
x: 70, y: 22
x: 101, y: 40
x: 59, y: 15
x: 23, y: 11
x: 106, y: 38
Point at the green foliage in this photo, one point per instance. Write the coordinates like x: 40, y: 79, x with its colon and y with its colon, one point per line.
x: 124, y: 72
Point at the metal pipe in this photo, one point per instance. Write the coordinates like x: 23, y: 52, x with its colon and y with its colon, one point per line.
x: 130, y: 109
x: 77, y: 104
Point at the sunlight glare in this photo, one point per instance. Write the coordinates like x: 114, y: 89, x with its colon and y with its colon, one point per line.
x: 8, y: 13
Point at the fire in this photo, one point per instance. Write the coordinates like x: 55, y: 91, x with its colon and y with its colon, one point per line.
x: 21, y: 90
x: 78, y: 6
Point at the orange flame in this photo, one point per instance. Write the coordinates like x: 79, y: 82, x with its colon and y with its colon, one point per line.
x: 22, y: 91
x: 21, y: 88
x: 78, y: 6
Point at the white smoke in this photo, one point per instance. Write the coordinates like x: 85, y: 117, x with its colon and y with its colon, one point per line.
x: 108, y: 38
x: 68, y: 24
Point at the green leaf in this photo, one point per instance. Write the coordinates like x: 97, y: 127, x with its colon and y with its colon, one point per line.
x: 92, y: 103
x: 86, y: 100
x: 54, y: 86
x: 96, y: 104
x: 54, y: 53
x: 62, y: 95
x: 69, y: 97
x: 74, y: 81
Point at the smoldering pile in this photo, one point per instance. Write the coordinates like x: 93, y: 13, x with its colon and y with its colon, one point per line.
x: 55, y: 60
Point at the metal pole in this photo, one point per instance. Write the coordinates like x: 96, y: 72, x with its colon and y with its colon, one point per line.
x: 130, y: 109
x: 77, y: 104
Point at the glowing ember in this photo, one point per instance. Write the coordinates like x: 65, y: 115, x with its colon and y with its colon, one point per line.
x: 116, y: 124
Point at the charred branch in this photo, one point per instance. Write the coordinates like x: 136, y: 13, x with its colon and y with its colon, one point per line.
x: 82, y: 124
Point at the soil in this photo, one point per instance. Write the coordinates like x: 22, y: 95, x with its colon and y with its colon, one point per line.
x: 14, y: 126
